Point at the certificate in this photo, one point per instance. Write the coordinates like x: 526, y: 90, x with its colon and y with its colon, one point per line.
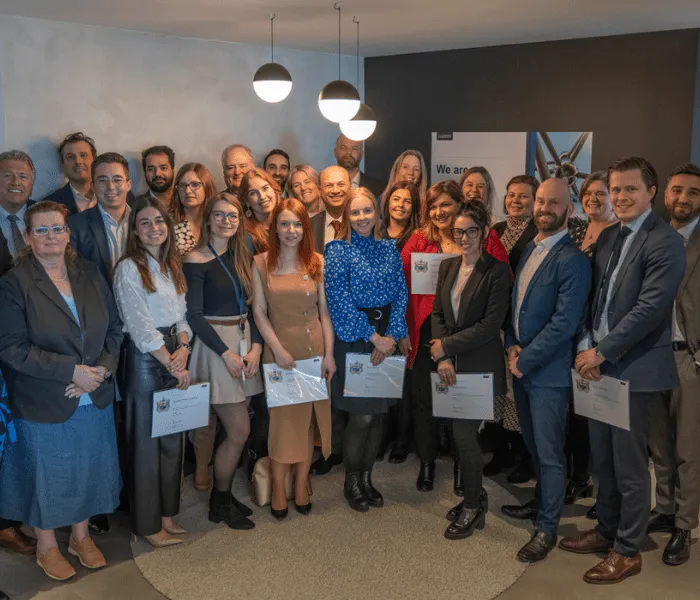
x: 425, y: 268
x: 607, y: 400
x: 304, y: 383
x: 471, y: 398
x: 364, y: 380
x: 175, y: 411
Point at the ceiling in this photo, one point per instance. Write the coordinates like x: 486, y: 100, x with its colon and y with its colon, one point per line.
x: 387, y: 26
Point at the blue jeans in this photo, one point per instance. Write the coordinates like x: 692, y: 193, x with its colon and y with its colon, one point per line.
x: 542, y: 413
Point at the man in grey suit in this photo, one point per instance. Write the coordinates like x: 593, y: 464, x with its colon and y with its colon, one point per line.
x: 675, y: 434
x: 637, y: 268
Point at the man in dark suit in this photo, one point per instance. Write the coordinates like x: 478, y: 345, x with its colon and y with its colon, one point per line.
x: 334, y: 188
x: 550, y: 294
x: 348, y: 154
x: 637, y: 268
x: 158, y: 164
x: 675, y: 442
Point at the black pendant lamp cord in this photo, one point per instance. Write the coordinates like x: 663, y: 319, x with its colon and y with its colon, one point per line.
x: 272, y: 36
x: 337, y: 7
x: 356, y: 20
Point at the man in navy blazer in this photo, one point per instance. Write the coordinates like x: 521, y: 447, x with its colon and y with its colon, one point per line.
x: 550, y: 295
x: 638, y: 266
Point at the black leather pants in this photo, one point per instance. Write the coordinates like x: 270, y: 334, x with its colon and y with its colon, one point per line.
x: 155, y: 463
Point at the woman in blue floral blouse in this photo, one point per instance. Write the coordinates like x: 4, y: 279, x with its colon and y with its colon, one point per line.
x: 367, y: 296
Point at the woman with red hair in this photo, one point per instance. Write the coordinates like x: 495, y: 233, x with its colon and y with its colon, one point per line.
x: 290, y: 309
x: 259, y: 194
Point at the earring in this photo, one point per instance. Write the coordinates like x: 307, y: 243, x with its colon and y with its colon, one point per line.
x: 248, y: 213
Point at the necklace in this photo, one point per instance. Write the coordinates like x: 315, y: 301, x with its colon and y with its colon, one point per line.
x: 65, y: 276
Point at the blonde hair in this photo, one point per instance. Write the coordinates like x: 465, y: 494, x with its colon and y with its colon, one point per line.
x: 345, y: 232
x: 422, y: 185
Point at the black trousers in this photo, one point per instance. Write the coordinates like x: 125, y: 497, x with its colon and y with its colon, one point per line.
x: 155, y: 464
x: 398, y: 424
x: 465, y: 438
x: 259, y: 425
x: 578, y: 447
x: 339, y: 420
x: 363, y: 435
x: 624, y: 483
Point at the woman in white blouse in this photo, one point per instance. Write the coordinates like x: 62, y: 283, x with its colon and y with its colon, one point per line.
x: 150, y: 287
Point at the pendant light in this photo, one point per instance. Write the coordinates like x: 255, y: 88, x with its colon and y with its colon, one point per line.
x: 363, y: 124
x: 272, y: 82
x: 339, y: 100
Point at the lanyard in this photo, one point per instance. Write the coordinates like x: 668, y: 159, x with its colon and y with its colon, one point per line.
x: 237, y: 291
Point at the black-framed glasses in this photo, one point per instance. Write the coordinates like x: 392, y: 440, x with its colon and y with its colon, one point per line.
x: 223, y: 216
x: 56, y: 230
x: 471, y: 232
x: 193, y: 185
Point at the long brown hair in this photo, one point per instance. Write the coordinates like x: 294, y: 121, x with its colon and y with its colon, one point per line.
x: 168, y: 258
x: 414, y: 219
x: 252, y: 225
x: 39, y: 208
x: 176, y: 207
x: 242, y: 258
x: 448, y: 187
x: 421, y: 184
x: 345, y: 232
x: 309, y: 261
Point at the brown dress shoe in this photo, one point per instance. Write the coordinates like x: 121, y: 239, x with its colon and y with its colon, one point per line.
x: 14, y: 539
x: 55, y: 565
x: 614, y: 569
x: 588, y: 542
x: 87, y: 552
x: 202, y: 479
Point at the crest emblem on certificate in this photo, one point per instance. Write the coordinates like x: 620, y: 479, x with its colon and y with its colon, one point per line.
x: 440, y: 387
x: 275, y: 376
x: 355, y: 368
x: 421, y: 266
x: 163, y: 405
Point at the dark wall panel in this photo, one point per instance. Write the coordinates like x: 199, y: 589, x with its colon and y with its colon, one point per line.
x: 635, y: 93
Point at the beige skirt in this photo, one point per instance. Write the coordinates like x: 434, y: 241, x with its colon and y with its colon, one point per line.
x: 207, y: 365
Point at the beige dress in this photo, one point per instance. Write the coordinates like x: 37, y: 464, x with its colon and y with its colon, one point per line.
x: 292, y: 307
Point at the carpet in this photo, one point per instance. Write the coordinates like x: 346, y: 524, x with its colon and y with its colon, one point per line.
x: 396, y: 552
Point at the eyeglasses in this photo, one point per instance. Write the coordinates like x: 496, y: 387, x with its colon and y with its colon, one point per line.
x: 471, y: 232
x: 43, y: 231
x: 222, y: 216
x: 193, y: 185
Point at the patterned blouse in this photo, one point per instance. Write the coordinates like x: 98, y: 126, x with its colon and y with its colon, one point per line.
x: 184, y: 238
x: 365, y: 273
x: 577, y: 230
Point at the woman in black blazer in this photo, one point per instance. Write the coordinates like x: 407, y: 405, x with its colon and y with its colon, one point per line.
x: 471, y: 302
x: 60, y: 336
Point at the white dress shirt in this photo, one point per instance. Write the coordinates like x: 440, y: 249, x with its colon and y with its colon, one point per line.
x: 5, y: 226
x: 685, y: 232
x: 355, y: 181
x: 329, y: 230
x: 79, y: 198
x: 634, y: 226
x: 141, y: 312
x: 116, y: 233
x: 536, y: 258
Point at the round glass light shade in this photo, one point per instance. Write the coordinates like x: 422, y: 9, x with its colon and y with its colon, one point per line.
x: 272, y: 82
x: 361, y: 126
x: 339, y: 101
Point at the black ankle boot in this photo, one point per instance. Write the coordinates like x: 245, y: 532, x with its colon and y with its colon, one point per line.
x: 221, y: 509
x: 353, y: 492
x: 456, y: 510
x: 468, y: 520
x: 458, y: 481
x: 426, y: 477
x: 374, y: 498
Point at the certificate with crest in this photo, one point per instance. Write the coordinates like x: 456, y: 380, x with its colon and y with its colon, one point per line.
x: 175, y: 411
x: 425, y: 268
x: 471, y: 398
x: 364, y: 380
x: 304, y: 383
x: 607, y: 400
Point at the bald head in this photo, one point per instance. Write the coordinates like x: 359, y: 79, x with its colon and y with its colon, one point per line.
x: 335, y: 187
x: 348, y: 153
x: 552, y: 207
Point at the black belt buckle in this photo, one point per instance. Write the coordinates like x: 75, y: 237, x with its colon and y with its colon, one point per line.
x: 378, y: 315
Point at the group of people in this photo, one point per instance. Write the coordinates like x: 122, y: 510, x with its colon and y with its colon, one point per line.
x: 107, y: 297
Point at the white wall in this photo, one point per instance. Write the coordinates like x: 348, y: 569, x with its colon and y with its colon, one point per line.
x: 130, y: 90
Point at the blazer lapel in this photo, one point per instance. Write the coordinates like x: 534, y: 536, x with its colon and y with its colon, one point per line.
x: 637, y: 242
x: 98, y: 231
x: 521, y: 265
x: 543, y: 265
x: 46, y: 286
x: 692, y: 258
x: 446, y: 299
x: 470, y: 288
x: 79, y: 284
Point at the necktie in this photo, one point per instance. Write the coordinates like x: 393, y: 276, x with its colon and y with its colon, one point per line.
x: 336, y: 226
x: 17, y: 238
x: 605, y: 283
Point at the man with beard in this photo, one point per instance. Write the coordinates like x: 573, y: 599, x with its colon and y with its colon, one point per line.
x: 236, y: 161
x: 675, y: 433
x: 348, y: 154
x: 550, y: 295
x: 277, y: 164
x: 77, y: 151
x: 334, y: 188
x: 158, y: 168
x: 637, y: 268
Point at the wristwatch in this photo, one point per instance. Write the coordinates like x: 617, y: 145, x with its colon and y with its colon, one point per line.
x: 186, y: 345
x: 599, y: 354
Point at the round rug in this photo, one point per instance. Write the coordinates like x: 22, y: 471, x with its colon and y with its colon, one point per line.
x: 396, y: 552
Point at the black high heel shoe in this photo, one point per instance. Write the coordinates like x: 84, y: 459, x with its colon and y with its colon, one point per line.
x: 303, y: 509
x: 280, y: 514
x: 426, y: 477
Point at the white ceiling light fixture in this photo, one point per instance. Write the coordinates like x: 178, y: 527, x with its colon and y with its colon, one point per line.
x: 339, y: 100
x: 272, y: 82
x: 363, y: 124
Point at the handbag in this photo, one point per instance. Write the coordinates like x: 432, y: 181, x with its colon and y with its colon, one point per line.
x: 262, y: 483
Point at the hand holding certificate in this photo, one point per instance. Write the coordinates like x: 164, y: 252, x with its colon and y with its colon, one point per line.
x: 425, y: 268
x: 471, y: 398
x: 303, y: 383
x: 607, y: 400
x: 364, y: 380
x: 175, y: 410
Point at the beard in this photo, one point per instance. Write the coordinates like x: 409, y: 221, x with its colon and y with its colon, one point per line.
x: 348, y: 162
x: 547, y: 226
x: 157, y: 187
x: 684, y: 215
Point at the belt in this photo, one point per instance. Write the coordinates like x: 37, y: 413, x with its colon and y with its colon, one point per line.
x: 680, y: 346
x: 228, y: 323
x: 172, y: 330
x: 375, y: 314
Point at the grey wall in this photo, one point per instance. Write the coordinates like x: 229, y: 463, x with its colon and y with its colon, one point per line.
x: 635, y: 93
x: 130, y: 90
